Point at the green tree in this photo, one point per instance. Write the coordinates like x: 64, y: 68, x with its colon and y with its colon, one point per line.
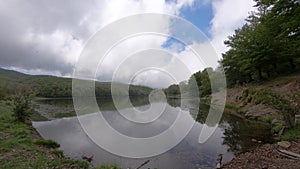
x: 267, y: 45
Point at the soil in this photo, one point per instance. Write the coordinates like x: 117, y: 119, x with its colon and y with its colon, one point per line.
x: 265, y: 157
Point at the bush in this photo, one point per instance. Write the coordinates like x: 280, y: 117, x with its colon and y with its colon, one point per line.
x: 22, y: 107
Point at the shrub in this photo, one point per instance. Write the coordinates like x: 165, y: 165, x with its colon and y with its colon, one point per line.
x: 22, y: 107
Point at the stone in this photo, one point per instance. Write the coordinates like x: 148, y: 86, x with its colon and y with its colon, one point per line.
x: 254, y: 140
x: 284, y: 144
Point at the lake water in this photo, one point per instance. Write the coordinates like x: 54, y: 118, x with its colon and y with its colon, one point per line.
x: 232, y: 136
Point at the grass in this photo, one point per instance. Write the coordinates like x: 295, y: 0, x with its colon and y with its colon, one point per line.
x: 47, y: 143
x: 270, y: 98
x: 61, y: 115
x: 231, y: 106
x: 108, y: 167
x: 267, y: 118
x: 19, y: 148
x: 35, y: 116
x: 292, y: 134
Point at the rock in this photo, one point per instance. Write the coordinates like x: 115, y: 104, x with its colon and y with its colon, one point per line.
x: 259, y: 142
x: 284, y: 144
x: 254, y: 140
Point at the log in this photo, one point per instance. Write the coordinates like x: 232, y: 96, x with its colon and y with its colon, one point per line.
x: 289, y: 154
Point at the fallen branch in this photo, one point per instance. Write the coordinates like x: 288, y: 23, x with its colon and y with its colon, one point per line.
x: 146, y: 162
x: 219, y: 161
x: 288, y: 154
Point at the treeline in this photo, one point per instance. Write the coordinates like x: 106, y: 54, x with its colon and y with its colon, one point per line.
x: 12, y: 82
x: 268, y: 45
x: 199, y: 84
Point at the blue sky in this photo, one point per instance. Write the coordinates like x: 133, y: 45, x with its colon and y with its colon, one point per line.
x: 200, y: 15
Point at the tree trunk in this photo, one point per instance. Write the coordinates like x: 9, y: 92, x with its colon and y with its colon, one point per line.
x: 292, y: 64
x: 260, y: 77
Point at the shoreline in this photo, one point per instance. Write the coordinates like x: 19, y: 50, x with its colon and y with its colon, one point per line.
x: 267, y: 156
x: 23, y: 147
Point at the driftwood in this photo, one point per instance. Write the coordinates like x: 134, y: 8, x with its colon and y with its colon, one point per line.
x: 288, y: 154
x: 146, y: 162
x: 219, y: 159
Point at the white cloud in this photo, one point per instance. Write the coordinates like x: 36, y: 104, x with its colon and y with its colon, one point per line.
x: 228, y: 16
x: 48, y: 36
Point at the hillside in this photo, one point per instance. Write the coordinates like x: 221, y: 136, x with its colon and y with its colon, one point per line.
x: 12, y: 82
x: 275, y: 102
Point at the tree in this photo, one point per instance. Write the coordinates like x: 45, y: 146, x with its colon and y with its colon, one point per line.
x: 267, y: 45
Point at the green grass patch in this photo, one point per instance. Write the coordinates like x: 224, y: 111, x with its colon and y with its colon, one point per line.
x: 267, y: 118
x: 47, y: 143
x: 18, y: 150
x: 35, y: 116
x: 61, y: 115
x: 292, y: 134
x: 231, y: 106
x: 272, y: 99
x: 277, y: 128
x: 108, y: 167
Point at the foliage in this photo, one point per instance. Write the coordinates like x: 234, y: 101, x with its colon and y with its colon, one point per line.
x: 231, y: 106
x: 56, y: 87
x: 267, y: 45
x: 270, y: 98
x: 204, y: 80
x: 47, y: 143
x: 22, y: 107
x: 18, y: 148
x: 172, y: 91
x: 108, y: 167
x: 292, y: 134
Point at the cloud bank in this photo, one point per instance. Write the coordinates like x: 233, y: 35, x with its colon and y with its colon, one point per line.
x: 46, y: 37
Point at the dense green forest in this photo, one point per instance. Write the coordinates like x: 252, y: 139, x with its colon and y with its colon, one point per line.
x: 200, y: 81
x: 12, y: 82
x: 267, y: 46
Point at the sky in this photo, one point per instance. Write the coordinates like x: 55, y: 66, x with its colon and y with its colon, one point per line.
x: 48, y: 36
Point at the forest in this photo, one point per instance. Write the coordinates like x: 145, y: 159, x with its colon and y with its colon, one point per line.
x: 265, y: 47
x: 12, y: 82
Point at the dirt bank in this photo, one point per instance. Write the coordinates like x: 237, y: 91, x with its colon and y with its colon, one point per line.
x: 266, y: 157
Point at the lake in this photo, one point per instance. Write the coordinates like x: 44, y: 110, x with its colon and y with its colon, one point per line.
x: 232, y: 136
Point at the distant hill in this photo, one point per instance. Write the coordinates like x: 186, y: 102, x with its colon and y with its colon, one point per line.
x: 12, y: 82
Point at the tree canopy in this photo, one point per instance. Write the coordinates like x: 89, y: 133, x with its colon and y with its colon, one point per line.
x: 267, y: 45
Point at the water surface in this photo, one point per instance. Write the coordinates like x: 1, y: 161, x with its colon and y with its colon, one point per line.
x: 232, y: 136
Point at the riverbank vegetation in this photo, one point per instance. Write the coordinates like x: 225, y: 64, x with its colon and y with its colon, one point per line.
x: 22, y: 147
